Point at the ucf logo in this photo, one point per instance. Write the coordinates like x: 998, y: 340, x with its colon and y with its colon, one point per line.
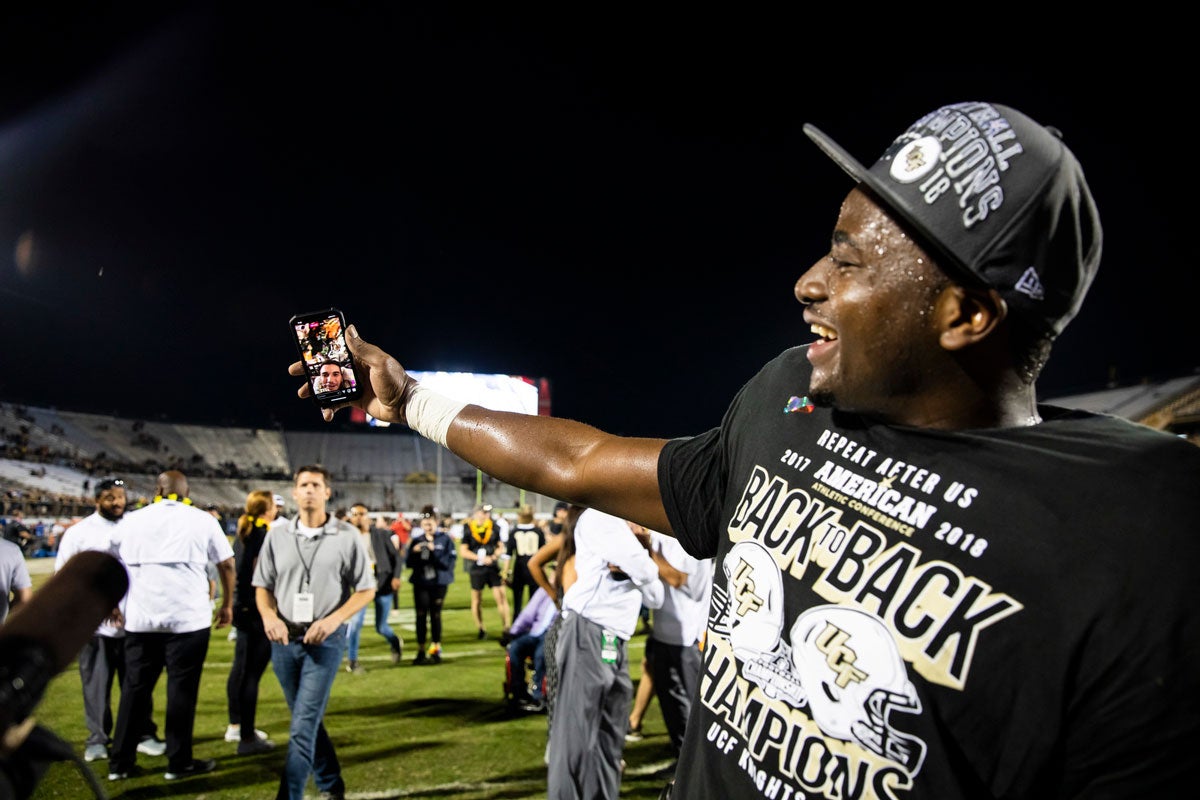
x: 839, y: 657
x: 743, y: 589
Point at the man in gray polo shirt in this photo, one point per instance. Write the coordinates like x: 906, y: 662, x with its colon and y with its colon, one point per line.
x: 312, y: 576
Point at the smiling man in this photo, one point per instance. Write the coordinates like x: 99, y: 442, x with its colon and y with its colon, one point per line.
x: 330, y: 377
x: 928, y: 585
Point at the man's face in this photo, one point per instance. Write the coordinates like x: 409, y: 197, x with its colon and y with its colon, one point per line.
x: 311, y: 492
x: 331, y: 377
x: 111, y: 503
x: 871, y: 302
x: 359, y: 518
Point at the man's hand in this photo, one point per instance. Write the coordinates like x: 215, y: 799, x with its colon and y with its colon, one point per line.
x: 224, y: 616
x: 384, y: 382
x: 321, y: 630
x: 276, y: 629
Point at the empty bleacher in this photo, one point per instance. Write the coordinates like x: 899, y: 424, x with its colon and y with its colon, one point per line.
x: 390, y: 470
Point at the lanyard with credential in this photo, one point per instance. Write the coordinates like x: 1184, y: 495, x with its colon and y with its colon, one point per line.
x: 313, y: 560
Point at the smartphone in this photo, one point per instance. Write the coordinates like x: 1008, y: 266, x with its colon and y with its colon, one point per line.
x: 320, y: 338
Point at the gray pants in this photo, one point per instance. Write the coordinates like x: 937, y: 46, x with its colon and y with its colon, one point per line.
x: 676, y: 670
x: 590, y: 715
x: 100, y: 660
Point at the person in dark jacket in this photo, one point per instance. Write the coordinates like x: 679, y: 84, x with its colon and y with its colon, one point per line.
x: 430, y: 556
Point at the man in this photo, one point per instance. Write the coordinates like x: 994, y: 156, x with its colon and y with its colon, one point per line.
x: 526, y: 640
x: 673, y: 646
x: 21, y: 534
x: 312, y: 576
x: 167, y: 546
x: 525, y: 539
x: 16, y: 587
x: 385, y: 566
x: 481, y: 551
x: 930, y: 585
x: 615, y: 577
x: 103, y: 657
x: 401, y: 530
x: 330, y: 377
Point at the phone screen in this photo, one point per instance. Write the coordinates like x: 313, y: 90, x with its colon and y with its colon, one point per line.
x: 321, y: 339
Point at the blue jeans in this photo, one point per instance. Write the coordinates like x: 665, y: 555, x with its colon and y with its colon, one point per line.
x: 383, y: 607
x: 354, y: 627
x: 528, y: 646
x: 306, y: 673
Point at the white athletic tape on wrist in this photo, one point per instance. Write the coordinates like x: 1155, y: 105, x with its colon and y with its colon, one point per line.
x: 430, y: 414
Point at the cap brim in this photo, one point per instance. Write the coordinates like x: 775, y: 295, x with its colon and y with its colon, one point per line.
x: 947, y: 260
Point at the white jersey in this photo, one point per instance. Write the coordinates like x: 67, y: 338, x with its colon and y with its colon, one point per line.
x: 167, y: 547
x: 93, y: 532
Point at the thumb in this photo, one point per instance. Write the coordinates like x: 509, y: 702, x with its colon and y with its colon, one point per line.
x: 359, y: 346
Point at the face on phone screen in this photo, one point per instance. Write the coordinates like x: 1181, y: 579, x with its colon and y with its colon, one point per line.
x: 321, y: 339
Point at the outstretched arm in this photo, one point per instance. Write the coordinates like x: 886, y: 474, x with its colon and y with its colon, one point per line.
x: 555, y: 457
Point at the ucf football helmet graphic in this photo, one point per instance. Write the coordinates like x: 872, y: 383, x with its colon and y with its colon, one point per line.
x: 854, y: 678
x: 755, y: 615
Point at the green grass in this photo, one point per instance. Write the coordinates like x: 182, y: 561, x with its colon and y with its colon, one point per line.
x: 400, y: 731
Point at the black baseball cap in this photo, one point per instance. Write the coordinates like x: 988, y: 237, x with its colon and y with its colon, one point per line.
x: 1000, y: 200
x: 104, y: 484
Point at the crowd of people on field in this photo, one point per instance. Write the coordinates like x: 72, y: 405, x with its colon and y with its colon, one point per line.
x: 300, y: 607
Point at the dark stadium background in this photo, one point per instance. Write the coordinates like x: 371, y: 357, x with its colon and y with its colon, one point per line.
x: 618, y: 202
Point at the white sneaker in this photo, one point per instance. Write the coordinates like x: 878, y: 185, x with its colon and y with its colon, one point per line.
x: 95, y: 752
x: 152, y: 747
x: 234, y: 734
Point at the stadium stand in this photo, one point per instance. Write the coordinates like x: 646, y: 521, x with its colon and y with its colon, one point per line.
x: 49, y: 457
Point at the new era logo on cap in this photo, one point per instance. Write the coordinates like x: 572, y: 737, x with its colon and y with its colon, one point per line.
x: 1030, y: 285
x: 999, y: 200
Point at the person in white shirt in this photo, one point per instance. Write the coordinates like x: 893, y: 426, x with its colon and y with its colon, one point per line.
x: 615, y: 576
x: 673, y: 647
x: 166, y: 547
x: 103, y: 657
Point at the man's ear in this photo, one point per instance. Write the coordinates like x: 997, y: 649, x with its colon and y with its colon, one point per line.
x: 968, y: 316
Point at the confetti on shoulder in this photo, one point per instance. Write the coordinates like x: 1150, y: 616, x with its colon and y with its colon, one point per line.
x: 802, y: 404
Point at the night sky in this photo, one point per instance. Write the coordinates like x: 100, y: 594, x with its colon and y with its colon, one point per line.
x: 620, y: 204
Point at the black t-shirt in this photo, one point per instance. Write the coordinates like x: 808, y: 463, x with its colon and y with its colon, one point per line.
x: 245, y: 553
x: 485, y: 537
x: 903, y: 612
x: 525, y: 539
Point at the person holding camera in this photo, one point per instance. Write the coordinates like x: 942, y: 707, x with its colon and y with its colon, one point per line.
x: 430, y: 557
